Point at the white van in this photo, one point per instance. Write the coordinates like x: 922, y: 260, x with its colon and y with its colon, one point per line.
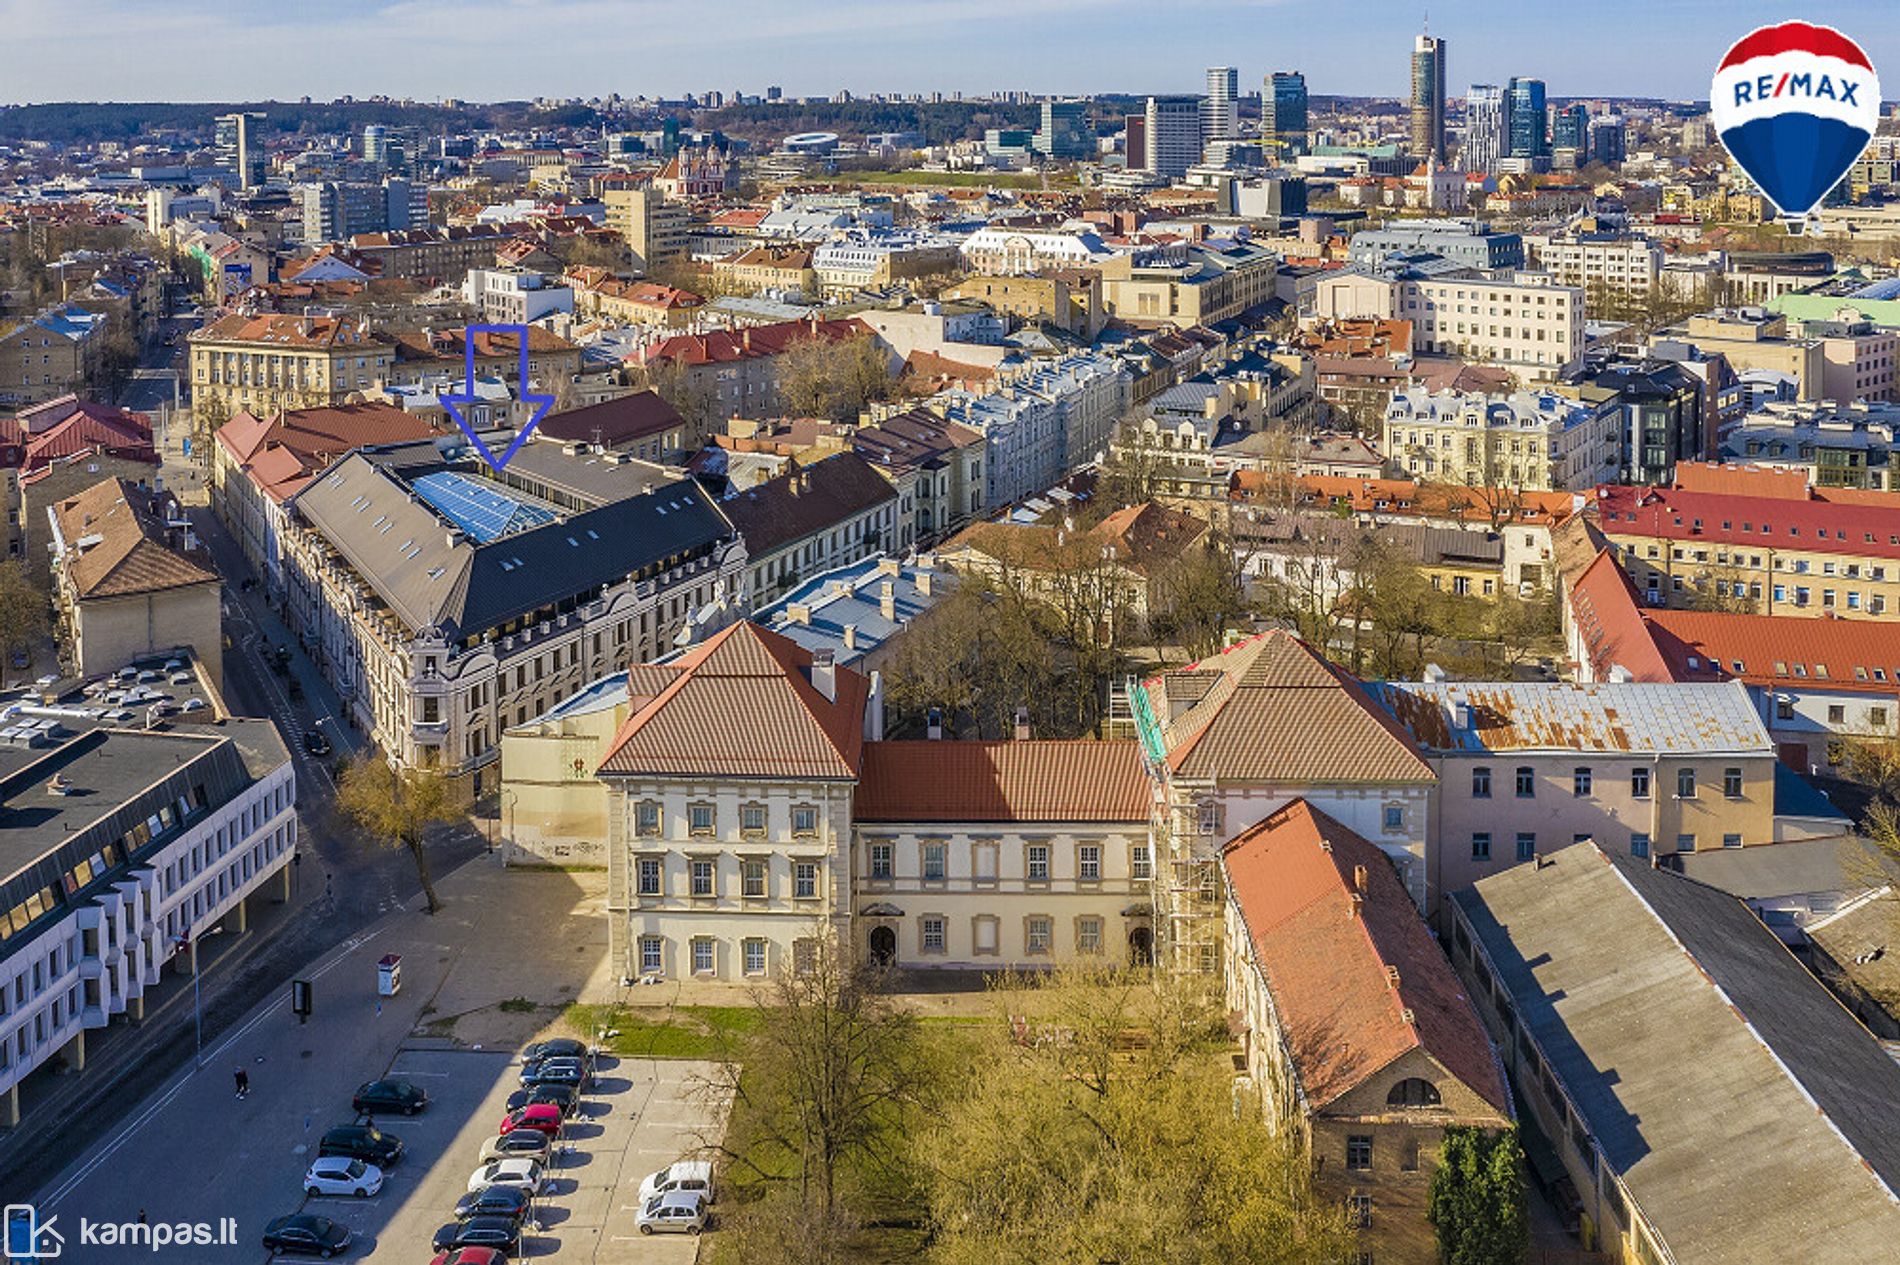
x: 694, y: 1176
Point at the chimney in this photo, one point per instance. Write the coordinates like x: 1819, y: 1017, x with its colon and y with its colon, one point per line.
x: 799, y: 613
x: 933, y: 724
x: 850, y: 636
x: 1359, y: 879
x: 887, y: 600
x: 1433, y: 673
x: 923, y: 583
x: 1022, y: 724
x: 1358, y: 902
x: 824, y: 674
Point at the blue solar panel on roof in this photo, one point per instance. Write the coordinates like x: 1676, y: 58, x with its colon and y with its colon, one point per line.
x: 481, y: 510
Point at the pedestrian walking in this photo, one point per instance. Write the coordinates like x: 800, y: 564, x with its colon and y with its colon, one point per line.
x: 243, y: 1079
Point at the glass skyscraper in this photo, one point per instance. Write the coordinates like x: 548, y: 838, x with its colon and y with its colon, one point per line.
x: 1487, y: 127
x: 1570, y: 129
x: 1529, y: 138
x: 1283, y: 115
x: 1428, y: 97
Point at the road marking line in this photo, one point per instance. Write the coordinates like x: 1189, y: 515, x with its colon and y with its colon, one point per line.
x: 145, y: 1117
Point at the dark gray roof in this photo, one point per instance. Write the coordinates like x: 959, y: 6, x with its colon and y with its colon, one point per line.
x: 429, y: 573
x: 1802, y: 867
x: 805, y: 501
x: 1748, y: 1114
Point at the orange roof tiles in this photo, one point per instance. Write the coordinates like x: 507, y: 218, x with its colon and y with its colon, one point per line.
x: 1604, y: 610
x: 744, y: 704
x: 1271, y: 709
x: 1356, y: 978
x: 1003, y: 781
x: 1778, y: 650
x: 126, y: 553
x: 1716, y: 518
x: 1424, y: 500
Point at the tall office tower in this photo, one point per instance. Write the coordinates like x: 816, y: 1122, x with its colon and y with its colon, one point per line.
x: 1135, y: 141
x: 1570, y: 129
x: 1428, y: 97
x: 1173, y: 134
x: 239, y: 150
x: 1064, y: 133
x: 1487, y: 127
x: 1283, y: 115
x: 1529, y: 138
x: 1221, y: 117
x: 1606, y: 137
x: 375, y: 141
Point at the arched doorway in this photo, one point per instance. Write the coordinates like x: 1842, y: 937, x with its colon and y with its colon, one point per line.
x: 883, y: 946
x: 1141, y: 946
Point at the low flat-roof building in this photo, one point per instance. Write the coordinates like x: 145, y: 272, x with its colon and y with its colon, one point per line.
x: 116, y: 844
x: 1701, y: 1091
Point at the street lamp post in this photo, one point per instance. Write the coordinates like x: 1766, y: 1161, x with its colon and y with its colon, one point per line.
x: 197, y: 998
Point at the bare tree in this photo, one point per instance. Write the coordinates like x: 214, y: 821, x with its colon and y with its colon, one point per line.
x: 834, y: 378
x: 398, y: 805
x: 25, y: 614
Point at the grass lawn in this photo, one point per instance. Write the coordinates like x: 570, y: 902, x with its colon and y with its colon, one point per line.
x: 664, y: 1032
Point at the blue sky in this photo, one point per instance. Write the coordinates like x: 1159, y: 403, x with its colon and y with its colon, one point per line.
x: 196, y: 50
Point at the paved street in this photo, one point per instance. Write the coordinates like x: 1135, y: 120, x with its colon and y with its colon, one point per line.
x: 531, y: 940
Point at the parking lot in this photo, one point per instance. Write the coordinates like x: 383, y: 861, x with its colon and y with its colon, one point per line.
x: 640, y: 1115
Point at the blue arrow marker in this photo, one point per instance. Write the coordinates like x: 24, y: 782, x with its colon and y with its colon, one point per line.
x: 454, y: 403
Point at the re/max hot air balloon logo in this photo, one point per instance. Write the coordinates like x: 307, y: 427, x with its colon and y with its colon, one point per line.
x: 1795, y: 105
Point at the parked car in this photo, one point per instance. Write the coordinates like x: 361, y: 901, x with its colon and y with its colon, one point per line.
x: 556, y: 1072
x: 695, y: 1176
x: 314, y: 743
x: 342, y: 1175
x: 541, y: 1117
x: 363, y: 1142
x: 306, y: 1234
x: 566, y: 1097
x: 528, y: 1143
x: 681, y: 1211
x: 495, y: 1232
x: 493, y: 1201
x: 557, y: 1048
x: 514, y: 1171
x: 472, y: 1256
x: 390, y: 1095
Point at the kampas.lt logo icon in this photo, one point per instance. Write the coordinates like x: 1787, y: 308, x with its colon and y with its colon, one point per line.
x: 29, y: 1238
x: 1795, y: 106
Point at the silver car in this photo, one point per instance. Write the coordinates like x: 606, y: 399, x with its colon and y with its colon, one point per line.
x: 683, y: 1210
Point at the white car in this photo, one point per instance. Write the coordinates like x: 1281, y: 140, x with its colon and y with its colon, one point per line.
x: 686, y: 1176
x: 525, y: 1173
x: 522, y: 1144
x: 342, y: 1175
x: 683, y: 1210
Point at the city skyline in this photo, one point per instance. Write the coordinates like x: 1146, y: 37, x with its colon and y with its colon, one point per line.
x: 488, y: 50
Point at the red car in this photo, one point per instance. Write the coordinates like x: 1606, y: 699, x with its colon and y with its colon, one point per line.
x: 541, y: 1116
x: 472, y: 1256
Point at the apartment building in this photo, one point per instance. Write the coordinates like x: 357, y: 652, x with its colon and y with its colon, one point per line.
x: 654, y: 228
x: 1005, y: 251
x: 515, y: 296
x: 872, y: 259
x: 1469, y: 243
x: 1070, y: 301
x: 270, y: 363
x: 50, y: 355
x: 1605, y: 265
x: 129, y: 581
x: 935, y: 465
x: 1533, y: 442
x: 1755, y: 338
x: 1211, y: 283
x: 1753, y: 1069
x: 447, y: 601
x: 1859, y: 359
x: 439, y: 255
x: 785, y: 269
x: 1835, y: 445
x: 1525, y: 323
x: 259, y: 463
x: 1042, y: 421
x: 1354, y: 1029
x: 427, y: 354
x: 1645, y: 770
x: 124, y: 844
x: 1239, y: 736
x: 739, y: 367
x: 1781, y: 556
x: 814, y: 518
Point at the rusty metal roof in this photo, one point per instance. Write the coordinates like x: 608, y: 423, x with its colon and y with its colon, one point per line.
x: 1636, y: 717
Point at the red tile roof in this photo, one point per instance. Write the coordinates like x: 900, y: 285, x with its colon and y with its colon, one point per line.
x: 1272, y: 709
x: 614, y: 422
x: 743, y: 704
x: 1425, y: 500
x: 1608, y: 620
x: 1779, y: 650
x: 1357, y: 983
x: 1077, y: 781
x: 72, y: 426
x: 117, y: 545
x: 728, y: 345
x: 287, y: 451
x: 1864, y: 531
